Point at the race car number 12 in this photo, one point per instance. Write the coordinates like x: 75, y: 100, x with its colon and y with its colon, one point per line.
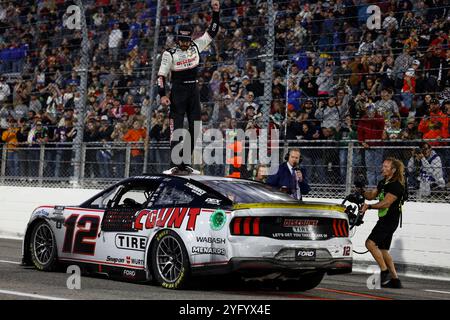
x: 87, y: 228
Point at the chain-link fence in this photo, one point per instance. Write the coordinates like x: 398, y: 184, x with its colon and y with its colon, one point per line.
x: 331, y: 169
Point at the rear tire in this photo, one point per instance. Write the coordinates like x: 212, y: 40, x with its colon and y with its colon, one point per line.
x: 303, y: 283
x: 170, y: 261
x: 43, y: 249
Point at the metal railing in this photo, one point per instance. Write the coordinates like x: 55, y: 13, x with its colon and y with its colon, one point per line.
x: 331, y: 166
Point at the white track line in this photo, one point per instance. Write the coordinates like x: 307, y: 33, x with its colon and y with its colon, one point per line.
x: 11, y: 262
x: 36, y: 296
x: 437, y: 291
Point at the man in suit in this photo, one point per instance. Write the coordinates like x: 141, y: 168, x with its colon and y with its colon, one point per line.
x: 290, y: 177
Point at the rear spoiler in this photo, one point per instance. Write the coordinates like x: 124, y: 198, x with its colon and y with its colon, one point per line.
x: 307, y: 206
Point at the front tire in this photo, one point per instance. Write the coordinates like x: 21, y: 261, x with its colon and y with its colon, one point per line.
x: 43, y: 247
x: 170, y: 261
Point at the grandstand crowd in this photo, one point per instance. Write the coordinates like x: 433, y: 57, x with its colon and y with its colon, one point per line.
x: 346, y: 81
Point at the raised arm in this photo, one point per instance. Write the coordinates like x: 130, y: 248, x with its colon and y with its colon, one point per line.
x: 203, y: 42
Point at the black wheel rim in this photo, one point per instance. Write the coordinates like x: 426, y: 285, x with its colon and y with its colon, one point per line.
x: 169, y: 259
x: 43, y: 245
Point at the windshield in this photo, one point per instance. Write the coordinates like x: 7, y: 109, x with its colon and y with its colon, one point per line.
x: 248, y: 191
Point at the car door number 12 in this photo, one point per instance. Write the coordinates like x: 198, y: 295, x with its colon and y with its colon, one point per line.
x: 87, y: 229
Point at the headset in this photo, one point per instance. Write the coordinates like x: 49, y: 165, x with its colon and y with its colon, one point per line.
x: 288, y: 154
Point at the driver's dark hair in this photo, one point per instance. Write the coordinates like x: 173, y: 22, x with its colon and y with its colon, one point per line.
x: 399, y: 173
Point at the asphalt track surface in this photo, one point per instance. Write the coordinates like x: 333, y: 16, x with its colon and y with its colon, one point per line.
x: 23, y: 283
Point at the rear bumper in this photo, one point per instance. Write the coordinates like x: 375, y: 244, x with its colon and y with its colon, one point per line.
x: 271, y: 265
x: 327, y: 265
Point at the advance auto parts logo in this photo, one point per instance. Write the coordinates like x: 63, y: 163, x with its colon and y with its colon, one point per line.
x: 217, y: 220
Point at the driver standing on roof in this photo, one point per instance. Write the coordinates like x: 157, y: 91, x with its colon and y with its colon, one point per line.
x: 182, y: 63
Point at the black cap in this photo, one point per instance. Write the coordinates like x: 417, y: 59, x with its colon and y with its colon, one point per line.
x: 184, y: 33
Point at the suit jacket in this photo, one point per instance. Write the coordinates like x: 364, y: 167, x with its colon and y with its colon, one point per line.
x: 284, y: 178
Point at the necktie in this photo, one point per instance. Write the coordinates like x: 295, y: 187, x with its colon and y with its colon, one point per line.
x: 294, y: 183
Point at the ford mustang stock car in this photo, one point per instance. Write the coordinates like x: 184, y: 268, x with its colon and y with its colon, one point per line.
x: 169, y: 228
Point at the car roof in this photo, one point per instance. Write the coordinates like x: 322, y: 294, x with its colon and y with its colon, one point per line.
x: 208, y: 178
x: 196, y: 177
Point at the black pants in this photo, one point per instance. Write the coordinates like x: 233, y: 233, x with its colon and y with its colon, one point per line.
x: 185, y: 99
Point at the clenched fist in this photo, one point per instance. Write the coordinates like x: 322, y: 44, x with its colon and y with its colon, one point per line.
x: 165, y: 101
x: 215, y: 4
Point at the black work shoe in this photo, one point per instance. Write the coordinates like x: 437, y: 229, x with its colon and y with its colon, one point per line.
x: 393, y: 283
x: 385, y: 277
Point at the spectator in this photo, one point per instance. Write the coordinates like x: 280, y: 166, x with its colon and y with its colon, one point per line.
x: 128, y: 107
x: 64, y: 135
x: 308, y: 86
x: 136, y: 134
x: 35, y: 104
x: 294, y: 95
x: 104, y: 153
x: 22, y: 138
x: 425, y: 169
x: 249, y: 101
x: 5, y: 90
x: 358, y: 106
x: 203, y: 90
x: 9, y: 136
x: 90, y: 135
x: 358, y: 67
x: 435, y: 132
x: 387, y: 107
x: 371, y: 127
x: 214, y: 83
x: 261, y: 173
x: 118, y: 155
x: 137, y: 115
x: 393, y: 128
x: 346, y: 134
x: 248, y: 118
x: 325, y: 81
x: 37, y: 137
x: 343, y: 71
x: 6, y: 112
x: 69, y: 113
x: 329, y: 114
x: 423, y: 106
x: 411, y: 132
x: 434, y: 126
x: 306, y: 132
x: 387, y: 73
x: 221, y: 112
x: 409, y: 88
x: 401, y: 65
x: 293, y: 131
x: 114, y: 42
